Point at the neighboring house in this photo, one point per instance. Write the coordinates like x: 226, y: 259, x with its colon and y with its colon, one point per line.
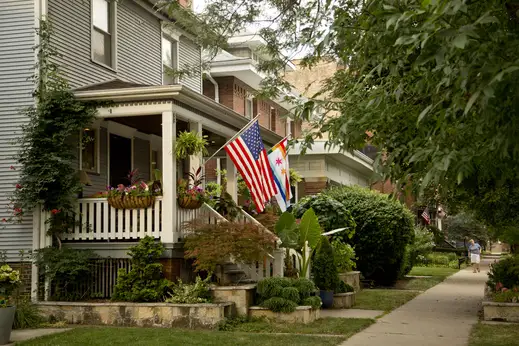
x: 116, y: 51
x: 232, y: 80
x: 321, y: 166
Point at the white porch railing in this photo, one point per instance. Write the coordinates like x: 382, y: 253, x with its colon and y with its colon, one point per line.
x: 205, y: 214
x: 97, y: 220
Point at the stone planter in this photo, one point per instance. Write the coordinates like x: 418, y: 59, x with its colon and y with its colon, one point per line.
x: 344, y: 300
x: 303, y: 314
x: 352, y: 279
x: 507, y: 312
x: 139, y: 314
x: 6, y: 324
x: 242, y: 296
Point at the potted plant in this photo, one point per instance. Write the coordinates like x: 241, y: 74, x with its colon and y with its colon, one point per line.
x: 137, y: 195
x: 9, y: 280
x: 190, y: 143
x: 190, y: 195
x: 325, y: 273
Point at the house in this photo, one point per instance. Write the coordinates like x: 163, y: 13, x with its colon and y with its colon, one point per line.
x: 115, y: 51
x: 322, y: 166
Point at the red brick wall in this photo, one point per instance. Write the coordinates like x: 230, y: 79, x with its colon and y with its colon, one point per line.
x: 388, y: 188
x: 313, y: 188
x: 171, y: 267
x: 210, y: 170
x: 208, y: 87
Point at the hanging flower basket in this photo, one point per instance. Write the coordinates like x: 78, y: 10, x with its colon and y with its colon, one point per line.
x: 131, y: 202
x: 188, y: 202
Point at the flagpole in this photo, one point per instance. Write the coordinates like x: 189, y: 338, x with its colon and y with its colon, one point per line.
x: 232, y: 139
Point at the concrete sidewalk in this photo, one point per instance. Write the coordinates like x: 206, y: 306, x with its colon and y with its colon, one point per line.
x: 441, y: 316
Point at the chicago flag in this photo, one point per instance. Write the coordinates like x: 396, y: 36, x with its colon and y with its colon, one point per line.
x: 278, y: 159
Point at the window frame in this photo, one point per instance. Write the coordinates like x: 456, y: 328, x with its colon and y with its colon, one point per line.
x: 272, y: 122
x: 97, y: 151
x: 112, y: 22
x: 175, y: 56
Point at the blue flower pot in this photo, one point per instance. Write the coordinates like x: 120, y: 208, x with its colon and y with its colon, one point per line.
x: 327, y: 298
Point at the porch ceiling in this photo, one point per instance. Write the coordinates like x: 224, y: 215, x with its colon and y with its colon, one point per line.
x: 214, y: 112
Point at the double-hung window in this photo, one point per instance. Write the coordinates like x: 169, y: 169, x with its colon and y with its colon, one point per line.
x: 169, y: 61
x: 103, y: 32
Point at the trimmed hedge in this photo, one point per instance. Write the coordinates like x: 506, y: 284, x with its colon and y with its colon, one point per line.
x: 384, y: 228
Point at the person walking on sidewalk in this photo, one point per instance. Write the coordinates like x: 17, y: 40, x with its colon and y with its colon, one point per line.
x: 475, y: 255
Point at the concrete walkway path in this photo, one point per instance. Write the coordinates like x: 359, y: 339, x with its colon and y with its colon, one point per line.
x: 441, y: 316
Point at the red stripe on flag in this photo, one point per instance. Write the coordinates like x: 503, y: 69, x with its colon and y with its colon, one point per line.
x: 256, y: 172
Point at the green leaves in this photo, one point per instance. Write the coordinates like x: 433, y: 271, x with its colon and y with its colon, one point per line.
x: 309, y: 229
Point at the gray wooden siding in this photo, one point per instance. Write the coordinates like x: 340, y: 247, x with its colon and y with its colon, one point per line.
x: 189, y: 57
x: 138, y: 43
x: 17, y: 37
x: 99, y: 181
x: 141, y: 157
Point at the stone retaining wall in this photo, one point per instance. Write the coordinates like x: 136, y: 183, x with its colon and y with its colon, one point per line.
x: 507, y: 312
x: 242, y: 296
x: 352, y: 279
x: 303, y: 314
x: 139, y: 314
x: 343, y: 300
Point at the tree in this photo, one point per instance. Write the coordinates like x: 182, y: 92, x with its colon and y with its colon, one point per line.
x: 464, y: 226
x: 433, y: 81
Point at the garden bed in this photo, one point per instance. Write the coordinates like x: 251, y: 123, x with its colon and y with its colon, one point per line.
x: 139, y: 314
x: 506, y: 312
x: 303, y: 314
x: 344, y: 300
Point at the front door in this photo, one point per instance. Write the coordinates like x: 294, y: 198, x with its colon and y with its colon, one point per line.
x: 120, y: 160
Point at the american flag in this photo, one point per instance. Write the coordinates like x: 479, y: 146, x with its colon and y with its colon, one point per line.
x: 426, y: 216
x: 250, y: 158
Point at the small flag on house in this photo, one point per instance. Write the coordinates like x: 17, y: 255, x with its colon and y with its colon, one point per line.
x: 250, y: 158
x: 426, y: 216
x: 278, y: 159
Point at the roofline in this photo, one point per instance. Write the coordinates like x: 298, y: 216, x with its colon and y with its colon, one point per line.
x: 180, y: 93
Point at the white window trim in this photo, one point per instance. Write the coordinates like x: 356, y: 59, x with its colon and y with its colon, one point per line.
x: 171, y: 35
x: 97, y: 151
x: 249, y: 99
x: 113, y: 35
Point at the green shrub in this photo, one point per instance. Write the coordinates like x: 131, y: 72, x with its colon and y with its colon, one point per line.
x: 324, y: 268
x: 422, y: 246
x: 344, y: 256
x: 26, y: 315
x: 195, y: 293
x: 313, y: 301
x: 144, y: 282
x: 331, y: 214
x: 437, y: 259
x: 284, y: 294
x: 290, y: 293
x: 305, y: 287
x: 278, y: 304
x: 454, y: 264
x: 229, y: 324
x: 504, y: 274
x: 343, y: 287
x: 384, y: 228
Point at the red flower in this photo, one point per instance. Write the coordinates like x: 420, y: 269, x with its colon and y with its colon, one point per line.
x: 4, y: 220
x: 17, y: 211
x: 18, y: 186
x: 12, y: 168
x: 55, y: 211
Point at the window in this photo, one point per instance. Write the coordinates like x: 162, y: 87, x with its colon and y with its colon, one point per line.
x: 293, y: 128
x: 103, y: 46
x: 273, y: 119
x: 169, y: 61
x: 89, y: 150
x: 249, y: 107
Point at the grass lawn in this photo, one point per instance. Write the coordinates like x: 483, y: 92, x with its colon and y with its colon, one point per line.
x: 334, y: 326
x: 432, y: 271
x: 494, y: 335
x: 383, y: 299
x: 97, y: 336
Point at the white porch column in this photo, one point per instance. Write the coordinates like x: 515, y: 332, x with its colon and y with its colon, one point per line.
x: 170, y: 233
x: 279, y: 262
x: 232, y: 179
x: 195, y: 160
